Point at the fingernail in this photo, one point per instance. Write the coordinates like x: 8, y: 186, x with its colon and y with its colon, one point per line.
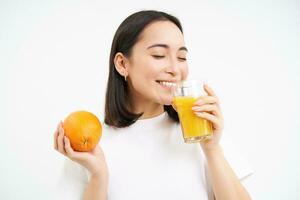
x: 198, y: 113
x: 195, y: 108
x: 199, y: 102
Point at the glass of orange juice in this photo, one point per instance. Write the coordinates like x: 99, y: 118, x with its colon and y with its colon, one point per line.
x: 194, y: 128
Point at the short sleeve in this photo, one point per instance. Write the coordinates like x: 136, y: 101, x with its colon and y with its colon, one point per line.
x: 72, y: 181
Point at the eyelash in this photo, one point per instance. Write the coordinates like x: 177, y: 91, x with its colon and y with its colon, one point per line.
x: 160, y: 57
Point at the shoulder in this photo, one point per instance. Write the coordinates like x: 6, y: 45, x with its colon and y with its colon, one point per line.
x: 109, y: 132
x: 111, y: 135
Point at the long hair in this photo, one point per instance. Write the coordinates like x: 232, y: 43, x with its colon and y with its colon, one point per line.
x: 117, y: 111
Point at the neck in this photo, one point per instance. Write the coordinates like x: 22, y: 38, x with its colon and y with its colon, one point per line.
x: 148, y: 108
x: 151, y: 111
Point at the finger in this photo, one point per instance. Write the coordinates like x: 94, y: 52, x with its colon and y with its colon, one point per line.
x: 217, y: 124
x: 206, y: 100
x: 55, y: 136
x: 212, y: 108
x: 209, y: 90
x: 73, y: 155
x: 60, y: 141
x: 96, y: 150
x: 68, y: 149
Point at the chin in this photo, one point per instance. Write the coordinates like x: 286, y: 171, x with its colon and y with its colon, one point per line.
x: 167, y: 101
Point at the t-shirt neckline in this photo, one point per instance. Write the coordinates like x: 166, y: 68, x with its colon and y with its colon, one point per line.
x: 151, y: 122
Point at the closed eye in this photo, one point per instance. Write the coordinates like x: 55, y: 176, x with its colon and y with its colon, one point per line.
x: 158, y: 56
x: 183, y: 59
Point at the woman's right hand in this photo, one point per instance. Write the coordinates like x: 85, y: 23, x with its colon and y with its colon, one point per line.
x: 93, y: 161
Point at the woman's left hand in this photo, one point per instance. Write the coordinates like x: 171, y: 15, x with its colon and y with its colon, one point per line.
x: 208, y: 107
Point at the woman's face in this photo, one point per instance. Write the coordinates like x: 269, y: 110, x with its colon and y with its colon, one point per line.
x: 157, y: 62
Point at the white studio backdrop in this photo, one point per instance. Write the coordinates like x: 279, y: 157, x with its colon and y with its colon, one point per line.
x: 54, y: 60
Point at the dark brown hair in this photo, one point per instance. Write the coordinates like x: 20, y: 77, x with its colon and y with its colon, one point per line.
x: 117, y: 111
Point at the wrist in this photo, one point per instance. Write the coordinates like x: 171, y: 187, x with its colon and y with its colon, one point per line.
x: 101, y: 179
x: 99, y: 174
x: 98, y: 170
x: 213, y: 151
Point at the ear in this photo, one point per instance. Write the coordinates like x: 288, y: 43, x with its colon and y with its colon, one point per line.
x: 120, y: 62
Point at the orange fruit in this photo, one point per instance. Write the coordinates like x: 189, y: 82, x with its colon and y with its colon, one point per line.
x: 83, y: 129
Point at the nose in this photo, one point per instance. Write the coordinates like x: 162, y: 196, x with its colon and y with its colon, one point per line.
x: 173, y: 67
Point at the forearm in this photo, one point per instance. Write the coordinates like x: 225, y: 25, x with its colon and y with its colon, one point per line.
x: 225, y: 183
x: 96, y: 189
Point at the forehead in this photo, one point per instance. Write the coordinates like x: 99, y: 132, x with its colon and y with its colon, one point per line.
x: 162, y: 32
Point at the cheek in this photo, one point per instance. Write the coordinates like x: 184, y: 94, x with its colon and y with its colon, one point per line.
x: 146, y: 67
x: 143, y: 76
x: 184, y: 72
x: 151, y: 70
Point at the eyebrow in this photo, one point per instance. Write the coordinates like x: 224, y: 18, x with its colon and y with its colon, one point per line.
x: 166, y: 46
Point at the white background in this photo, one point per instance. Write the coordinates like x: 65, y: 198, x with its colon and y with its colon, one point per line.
x: 54, y: 60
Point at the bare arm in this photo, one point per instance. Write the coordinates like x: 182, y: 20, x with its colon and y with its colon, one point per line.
x: 96, y: 188
x: 93, y: 161
x: 225, y: 183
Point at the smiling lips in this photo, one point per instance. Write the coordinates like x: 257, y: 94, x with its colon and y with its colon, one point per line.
x: 167, y: 84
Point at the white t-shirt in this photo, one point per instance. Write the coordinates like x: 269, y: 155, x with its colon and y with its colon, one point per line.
x: 149, y: 160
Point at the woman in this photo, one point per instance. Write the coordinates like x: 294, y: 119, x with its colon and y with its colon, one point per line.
x: 143, y: 155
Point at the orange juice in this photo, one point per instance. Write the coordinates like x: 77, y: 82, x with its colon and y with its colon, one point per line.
x: 194, y: 128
